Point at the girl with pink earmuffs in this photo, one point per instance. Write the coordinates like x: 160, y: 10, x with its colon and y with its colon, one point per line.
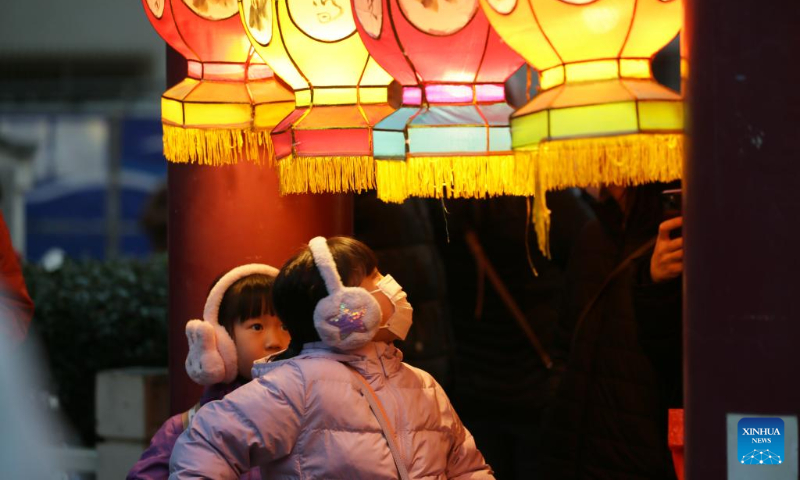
x: 345, y: 406
x: 239, y: 327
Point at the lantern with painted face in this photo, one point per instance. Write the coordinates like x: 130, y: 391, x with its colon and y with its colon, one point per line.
x: 451, y: 136
x: 325, y: 144
x: 600, y: 117
x: 230, y: 101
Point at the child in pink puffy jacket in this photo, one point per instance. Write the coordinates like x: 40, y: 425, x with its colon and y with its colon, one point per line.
x: 346, y: 407
x: 239, y: 328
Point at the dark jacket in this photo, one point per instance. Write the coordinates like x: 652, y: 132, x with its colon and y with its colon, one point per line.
x: 659, y: 317
x: 609, y: 418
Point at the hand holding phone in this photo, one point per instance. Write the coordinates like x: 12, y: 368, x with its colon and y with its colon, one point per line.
x: 667, y: 260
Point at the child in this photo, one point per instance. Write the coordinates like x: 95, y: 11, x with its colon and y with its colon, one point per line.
x: 346, y: 407
x: 240, y: 327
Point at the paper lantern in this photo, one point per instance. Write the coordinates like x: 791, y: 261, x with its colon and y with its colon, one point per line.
x: 325, y: 144
x: 600, y: 117
x: 451, y: 137
x: 230, y: 101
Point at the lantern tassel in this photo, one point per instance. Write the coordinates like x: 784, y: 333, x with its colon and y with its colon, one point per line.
x: 326, y: 174
x: 620, y: 160
x: 541, y: 222
x: 449, y: 177
x: 625, y: 160
x: 215, y: 147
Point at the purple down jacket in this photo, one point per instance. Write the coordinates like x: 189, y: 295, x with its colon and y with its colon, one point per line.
x: 305, y: 418
x: 154, y: 464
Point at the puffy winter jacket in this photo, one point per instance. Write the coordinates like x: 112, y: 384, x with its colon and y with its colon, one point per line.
x: 154, y: 463
x: 306, y: 418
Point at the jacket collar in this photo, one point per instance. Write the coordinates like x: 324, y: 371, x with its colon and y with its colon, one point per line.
x: 375, y: 359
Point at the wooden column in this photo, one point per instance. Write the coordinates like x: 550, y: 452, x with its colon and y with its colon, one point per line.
x: 742, y: 221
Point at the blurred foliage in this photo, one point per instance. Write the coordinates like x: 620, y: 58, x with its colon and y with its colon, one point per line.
x: 92, y: 316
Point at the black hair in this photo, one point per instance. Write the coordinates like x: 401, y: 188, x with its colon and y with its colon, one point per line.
x: 299, y: 285
x: 249, y: 297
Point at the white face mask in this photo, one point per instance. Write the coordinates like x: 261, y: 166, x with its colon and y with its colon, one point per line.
x: 402, y: 318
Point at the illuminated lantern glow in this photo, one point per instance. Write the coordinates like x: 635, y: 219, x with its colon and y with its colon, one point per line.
x: 225, y: 108
x: 451, y: 136
x: 325, y: 144
x: 600, y: 117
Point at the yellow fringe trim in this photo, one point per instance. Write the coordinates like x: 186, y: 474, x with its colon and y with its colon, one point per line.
x: 625, y: 160
x: 217, y: 146
x: 451, y: 177
x: 326, y: 174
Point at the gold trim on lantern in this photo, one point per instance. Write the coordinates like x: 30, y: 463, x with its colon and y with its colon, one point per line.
x: 625, y: 160
x: 216, y: 147
x: 326, y: 174
x: 585, y: 162
x: 455, y: 176
x: 191, y: 109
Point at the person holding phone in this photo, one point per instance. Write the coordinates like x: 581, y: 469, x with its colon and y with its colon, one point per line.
x: 609, y: 417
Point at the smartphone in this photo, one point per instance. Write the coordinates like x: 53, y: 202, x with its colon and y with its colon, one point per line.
x: 671, y: 204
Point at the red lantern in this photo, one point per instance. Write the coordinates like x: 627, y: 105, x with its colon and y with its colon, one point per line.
x: 451, y: 136
x: 230, y: 101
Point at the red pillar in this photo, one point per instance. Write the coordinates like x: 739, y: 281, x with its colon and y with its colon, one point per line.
x: 220, y: 217
x: 742, y: 221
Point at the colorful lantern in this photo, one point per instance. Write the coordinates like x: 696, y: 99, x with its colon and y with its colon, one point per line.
x: 451, y: 137
x: 224, y: 110
x: 341, y: 93
x: 600, y: 117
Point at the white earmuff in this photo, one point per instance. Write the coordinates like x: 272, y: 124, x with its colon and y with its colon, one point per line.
x: 348, y: 317
x: 212, y: 352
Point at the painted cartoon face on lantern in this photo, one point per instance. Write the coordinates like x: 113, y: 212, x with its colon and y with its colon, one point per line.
x: 439, y: 17
x: 327, y: 10
x: 258, y: 17
x: 156, y: 7
x: 326, y: 20
x: 213, y: 9
x: 370, y: 15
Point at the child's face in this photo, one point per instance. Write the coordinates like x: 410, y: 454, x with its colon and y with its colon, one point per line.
x: 370, y: 283
x: 256, y: 338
